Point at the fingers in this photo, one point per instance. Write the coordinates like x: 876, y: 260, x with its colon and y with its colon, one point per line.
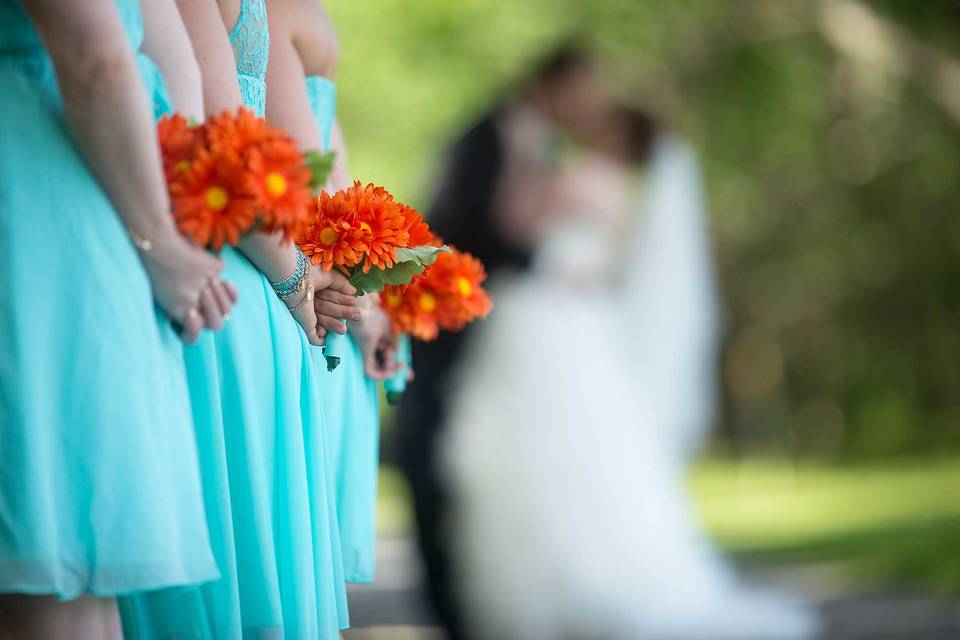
x: 372, y: 366
x: 191, y: 326
x: 340, y: 283
x: 208, y: 265
x: 224, y: 304
x: 332, y: 295
x: 335, y: 310
x: 386, y: 348
x: 322, y: 334
x: 332, y: 324
x: 231, y: 290
x: 215, y: 264
x: 210, y: 309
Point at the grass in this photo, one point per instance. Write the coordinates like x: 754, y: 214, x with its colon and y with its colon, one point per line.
x: 891, y: 523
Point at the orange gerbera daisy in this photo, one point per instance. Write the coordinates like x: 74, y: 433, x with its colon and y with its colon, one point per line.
x: 212, y: 203
x: 280, y: 184
x: 330, y: 236
x: 179, y: 145
x: 384, y: 218
x: 240, y: 132
x: 448, y: 295
x: 458, y: 279
x: 418, y: 231
x: 412, y: 309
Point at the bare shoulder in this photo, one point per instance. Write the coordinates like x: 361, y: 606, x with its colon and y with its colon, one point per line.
x: 310, y: 29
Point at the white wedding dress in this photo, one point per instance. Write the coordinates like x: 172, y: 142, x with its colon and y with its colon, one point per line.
x: 581, y: 400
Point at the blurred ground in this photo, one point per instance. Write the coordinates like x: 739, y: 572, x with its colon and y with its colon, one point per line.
x: 393, y: 609
x: 874, y: 548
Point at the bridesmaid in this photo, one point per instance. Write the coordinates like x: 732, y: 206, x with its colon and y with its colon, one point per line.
x: 99, y: 492
x: 256, y: 402
x: 301, y: 98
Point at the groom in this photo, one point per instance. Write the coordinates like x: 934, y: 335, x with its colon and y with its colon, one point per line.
x: 473, y: 210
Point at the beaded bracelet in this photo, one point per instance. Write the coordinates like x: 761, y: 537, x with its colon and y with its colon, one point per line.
x: 286, y: 289
x: 305, y: 299
x: 287, y: 296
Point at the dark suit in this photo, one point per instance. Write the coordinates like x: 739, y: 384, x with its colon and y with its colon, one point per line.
x: 462, y: 215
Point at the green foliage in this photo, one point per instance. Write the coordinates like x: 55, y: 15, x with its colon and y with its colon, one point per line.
x: 410, y: 263
x: 320, y: 166
x: 832, y: 160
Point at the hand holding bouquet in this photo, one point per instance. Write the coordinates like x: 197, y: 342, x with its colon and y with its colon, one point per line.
x: 375, y: 241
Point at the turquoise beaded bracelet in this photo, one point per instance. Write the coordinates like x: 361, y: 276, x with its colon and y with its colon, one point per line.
x: 285, y: 288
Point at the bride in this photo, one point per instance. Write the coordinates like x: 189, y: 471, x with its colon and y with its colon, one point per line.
x: 578, y: 405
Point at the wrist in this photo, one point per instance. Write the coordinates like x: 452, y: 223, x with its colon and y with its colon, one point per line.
x: 300, y: 299
x: 272, y: 256
x: 160, y: 233
x: 294, y: 288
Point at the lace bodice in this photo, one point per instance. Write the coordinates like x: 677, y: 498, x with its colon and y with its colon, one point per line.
x: 250, y: 38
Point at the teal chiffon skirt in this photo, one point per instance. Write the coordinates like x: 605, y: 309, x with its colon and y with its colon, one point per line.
x: 269, y: 499
x: 353, y: 426
x: 99, y: 488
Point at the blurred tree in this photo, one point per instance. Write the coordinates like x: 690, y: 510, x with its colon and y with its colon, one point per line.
x: 830, y: 133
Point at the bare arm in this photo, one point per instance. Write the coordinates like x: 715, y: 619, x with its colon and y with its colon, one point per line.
x: 214, y: 54
x: 221, y: 90
x: 166, y: 41
x: 276, y: 259
x: 298, y: 31
x: 111, y: 121
x: 288, y: 105
x: 340, y: 176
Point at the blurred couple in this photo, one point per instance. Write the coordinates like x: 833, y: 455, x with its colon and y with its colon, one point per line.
x: 546, y: 447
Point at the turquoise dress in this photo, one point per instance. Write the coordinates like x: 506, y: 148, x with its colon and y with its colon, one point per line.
x: 270, y: 504
x: 99, y: 490
x: 352, y: 412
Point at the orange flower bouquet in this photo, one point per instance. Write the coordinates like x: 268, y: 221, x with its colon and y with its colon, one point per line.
x: 449, y: 295
x: 233, y: 174
x: 370, y: 237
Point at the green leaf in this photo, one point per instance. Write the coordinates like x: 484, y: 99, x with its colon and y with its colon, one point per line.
x: 410, y: 263
x: 367, y: 282
x: 320, y: 165
x: 425, y: 255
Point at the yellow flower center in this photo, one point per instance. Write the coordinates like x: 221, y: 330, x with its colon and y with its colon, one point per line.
x: 276, y: 184
x: 428, y: 302
x: 464, y: 287
x: 329, y: 236
x: 365, y: 227
x: 182, y: 167
x: 216, y: 198
x: 394, y: 299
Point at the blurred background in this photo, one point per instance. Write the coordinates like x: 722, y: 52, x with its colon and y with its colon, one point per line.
x: 829, y: 134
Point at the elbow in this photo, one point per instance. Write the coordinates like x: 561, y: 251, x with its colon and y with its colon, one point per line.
x: 97, y: 66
